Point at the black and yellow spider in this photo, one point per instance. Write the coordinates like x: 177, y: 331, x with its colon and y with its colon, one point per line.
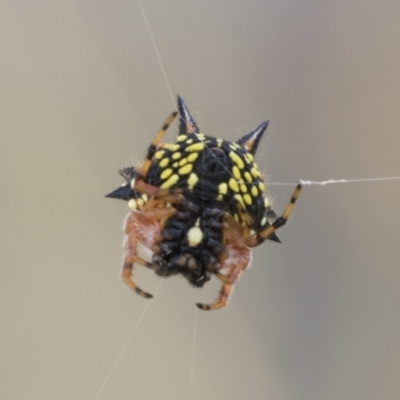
x: 199, y: 206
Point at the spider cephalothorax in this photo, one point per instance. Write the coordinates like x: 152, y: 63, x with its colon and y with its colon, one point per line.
x: 199, y: 206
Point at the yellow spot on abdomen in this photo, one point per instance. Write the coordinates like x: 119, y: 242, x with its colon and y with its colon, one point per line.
x: 187, y: 169
x: 249, y: 157
x: 236, y: 159
x: 239, y: 198
x: 223, y: 188
x: 254, y: 191
x: 195, y: 147
x: 233, y: 185
x: 176, y: 156
x: 166, y: 173
x: 170, y: 182
x: 247, y: 199
x: 183, y: 161
x: 159, y: 154
x: 192, y: 157
x: 255, y: 172
x: 236, y: 173
x: 172, y: 147
x: 193, y: 179
x: 164, y: 162
x: 248, y: 177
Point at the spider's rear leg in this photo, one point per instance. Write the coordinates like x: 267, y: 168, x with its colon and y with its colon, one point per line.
x: 263, y: 235
x: 223, y: 296
x: 238, y: 259
x: 221, y: 301
x: 127, y: 270
x: 153, y: 146
x: 224, y: 278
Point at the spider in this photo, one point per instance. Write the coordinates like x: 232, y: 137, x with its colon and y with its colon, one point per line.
x: 199, y: 206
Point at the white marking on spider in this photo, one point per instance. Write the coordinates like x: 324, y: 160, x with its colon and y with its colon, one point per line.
x: 132, y: 204
x: 195, y: 236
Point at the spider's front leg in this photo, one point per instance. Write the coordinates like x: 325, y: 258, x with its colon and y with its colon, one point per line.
x: 153, y: 146
x: 259, y: 237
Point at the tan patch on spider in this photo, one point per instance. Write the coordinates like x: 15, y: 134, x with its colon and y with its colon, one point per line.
x: 237, y: 252
x: 145, y: 228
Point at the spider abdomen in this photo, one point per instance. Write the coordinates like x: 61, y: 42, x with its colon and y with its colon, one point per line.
x: 190, y: 244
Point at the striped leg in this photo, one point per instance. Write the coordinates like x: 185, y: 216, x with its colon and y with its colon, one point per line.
x: 263, y: 235
x: 228, y: 281
x: 153, y: 147
x: 130, y: 258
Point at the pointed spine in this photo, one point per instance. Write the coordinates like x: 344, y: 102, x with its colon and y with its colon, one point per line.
x: 251, y: 141
x: 187, y: 124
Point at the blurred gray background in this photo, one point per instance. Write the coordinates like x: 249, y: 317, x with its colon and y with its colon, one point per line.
x: 82, y: 94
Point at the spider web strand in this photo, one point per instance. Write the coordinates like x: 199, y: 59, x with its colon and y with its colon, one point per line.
x: 156, y: 51
x: 303, y: 182
x: 331, y: 181
x: 127, y: 342
x: 193, y: 350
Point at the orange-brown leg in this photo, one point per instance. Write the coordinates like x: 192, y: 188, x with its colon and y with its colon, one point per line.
x: 127, y: 270
x: 131, y: 256
x: 236, y: 258
x: 224, y: 278
x: 167, y: 195
x: 228, y: 281
x: 153, y: 146
x: 146, y: 237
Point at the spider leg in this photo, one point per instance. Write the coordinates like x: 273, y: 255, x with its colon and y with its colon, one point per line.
x: 227, y: 286
x: 127, y: 270
x: 139, y: 230
x: 235, y: 259
x: 131, y: 256
x: 153, y: 146
x: 255, y: 240
x: 167, y: 195
x: 224, y: 278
